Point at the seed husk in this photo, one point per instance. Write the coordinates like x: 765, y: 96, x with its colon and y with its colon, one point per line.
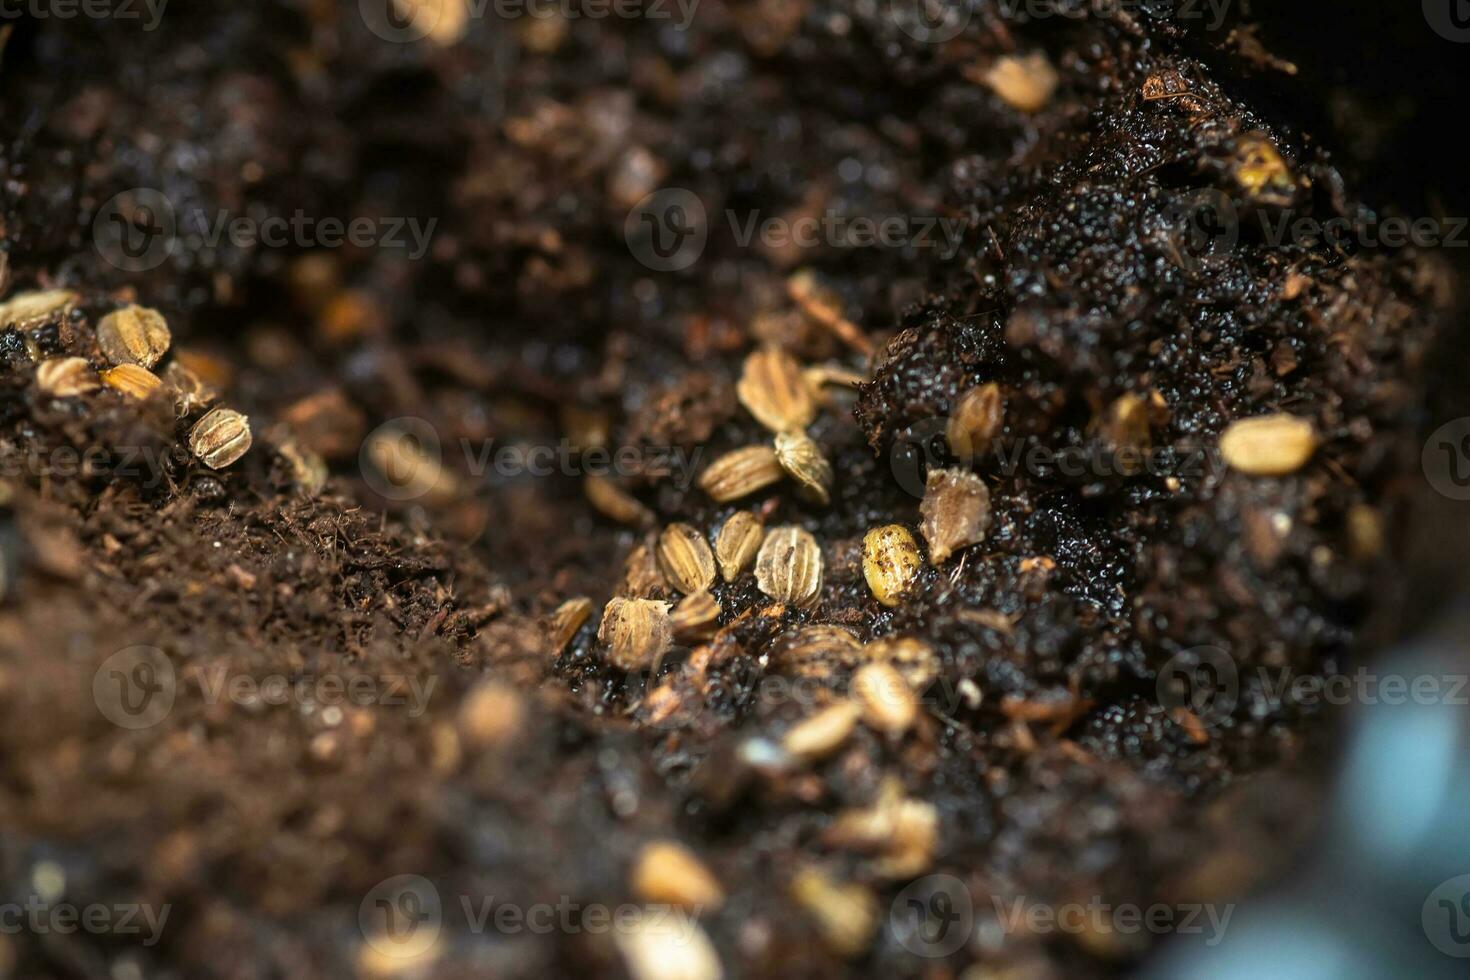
x: 773, y: 390
x: 914, y: 659
x: 737, y: 543
x: 1024, y: 82
x: 740, y: 473
x: 568, y: 618
x: 667, y: 873
x: 1271, y: 445
x: 891, y: 562
x: 887, y: 700
x: 685, y: 558
x: 976, y: 420
x: 132, y: 380
x: 846, y: 913
x: 802, y: 459
x: 614, y: 502
x: 65, y: 377
x: 788, y: 566
x: 956, y: 511
x: 220, y: 438
x: 308, y: 469
x: 190, y: 391
x: 823, y: 733
x: 26, y: 310
x: 817, y: 651
x: 695, y: 616
x: 635, y: 631
x: 134, y: 335
x: 642, y: 578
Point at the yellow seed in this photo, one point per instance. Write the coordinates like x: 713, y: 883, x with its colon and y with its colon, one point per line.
x: 817, y: 651
x: 613, y: 501
x: 1260, y: 170
x: 845, y: 913
x: 635, y: 631
x: 740, y: 473
x: 65, y: 377
x: 956, y: 511
x: 666, y: 873
x: 1271, y: 445
x: 788, y: 566
x: 685, y: 558
x: 695, y: 615
x: 914, y: 659
x: 888, y: 702
x: 134, y: 335
x: 568, y: 618
x: 737, y: 543
x: 132, y: 380
x: 220, y: 438
x: 891, y: 562
x: 772, y: 389
x: 802, y: 459
x: 977, y: 419
x: 1024, y: 82
x: 823, y: 733
x: 26, y: 310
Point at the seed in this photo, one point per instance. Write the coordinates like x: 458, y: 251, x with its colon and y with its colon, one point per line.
x: 803, y: 460
x: 666, y: 873
x: 817, y: 651
x: 888, y: 702
x: 220, y: 438
x: 405, y: 466
x: 1024, y: 82
x: 568, y: 618
x: 740, y: 473
x: 685, y: 559
x: 490, y: 714
x: 132, y: 380
x: 308, y: 470
x: 190, y: 391
x: 822, y: 733
x: 845, y: 913
x: 914, y: 659
x: 613, y: 501
x: 1260, y: 170
x: 134, y: 335
x: 694, y: 616
x: 772, y: 389
x: 904, y: 831
x: 1125, y: 427
x: 659, y: 947
x: 1271, y: 445
x: 977, y: 419
x: 891, y: 562
x: 444, y: 21
x: 789, y: 566
x: 956, y: 511
x: 635, y: 631
x: 26, y: 310
x: 65, y: 377
x: 737, y: 543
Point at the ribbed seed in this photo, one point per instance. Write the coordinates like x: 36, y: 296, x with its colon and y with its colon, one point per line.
x: 772, y: 389
x: 613, y: 501
x: 568, y: 618
x: 891, y: 562
x: 789, y: 566
x: 220, y: 438
x: 65, y: 377
x: 635, y: 631
x: 817, y: 651
x: 802, y: 459
x: 737, y: 543
x: 740, y: 473
x: 132, y: 380
x: 134, y: 335
x: 695, y: 616
x: 685, y: 558
x: 976, y: 420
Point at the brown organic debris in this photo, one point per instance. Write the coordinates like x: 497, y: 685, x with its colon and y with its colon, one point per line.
x: 956, y: 510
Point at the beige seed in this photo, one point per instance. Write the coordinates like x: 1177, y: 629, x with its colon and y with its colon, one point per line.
x: 956, y: 511
x: 976, y: 421
x: 817, y: 651
x: 655, y: 946
x: 788, y: 566
x: 845, y: 913
x: 802, y: 459
x: 190, y: 391
x: 491, y: 714
x: 740, y: 473
x: 1024, y: 82
x: 666, y: 873
x: 308, y: 469
x: 737, y: 543
x: 132, y: 380
x: 614, y: 502
x: 891, y: 562
x: 220, y: 438
x: 772, y: 389
x: 888, y: 703
x: 914, y: 659
x: 823, y: 733
x: 26, y: 310
x: 695, y: 616
x: 406, y: 466
x: 134, y: 335
x: 685, y: 558
x: 635, y: 631
x: 1271, y: 445
x: 65, y: 377
x: 568, y: 618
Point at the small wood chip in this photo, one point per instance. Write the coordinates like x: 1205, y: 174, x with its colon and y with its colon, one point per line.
x: 66, y: 377
x: 956, y: 511
x: 635, y: 631
x: 685, y: 559
x: 891, y: 562
x: 773, y: 390
x: 1271, y: 445
x: 737, y: 543
x: 788, y: 567
x: 667, y: 873
x: 802, y: 459
x: 741, y: 473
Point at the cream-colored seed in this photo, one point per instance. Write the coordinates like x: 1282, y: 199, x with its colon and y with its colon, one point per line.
x: 977, y: 419
x: 845, y: 913
x: 132, y: 380
x: 65, y: 377
x: 661, y: 947
x: 1271, y: 445
x: 220, y: 438
x: 823, y: 733
x: 788, y: 566
x: 695, y: 615
x: 802, y: 459
x: 914, y: 659
x: 737, y: 543
x: 568, y: 618
x: 614, y: 502
x: 635, y: 631
x: 773, y: 390
x: 1024, y: 82
x: 956, y: 511
x: 891, y: 562
x: 740, y: 473
x: 888, y: 703
x: 904, y: 831
x: 26, y: 310
x: 685, y: 558
x: 134, y: 335
x: 666, y: 873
